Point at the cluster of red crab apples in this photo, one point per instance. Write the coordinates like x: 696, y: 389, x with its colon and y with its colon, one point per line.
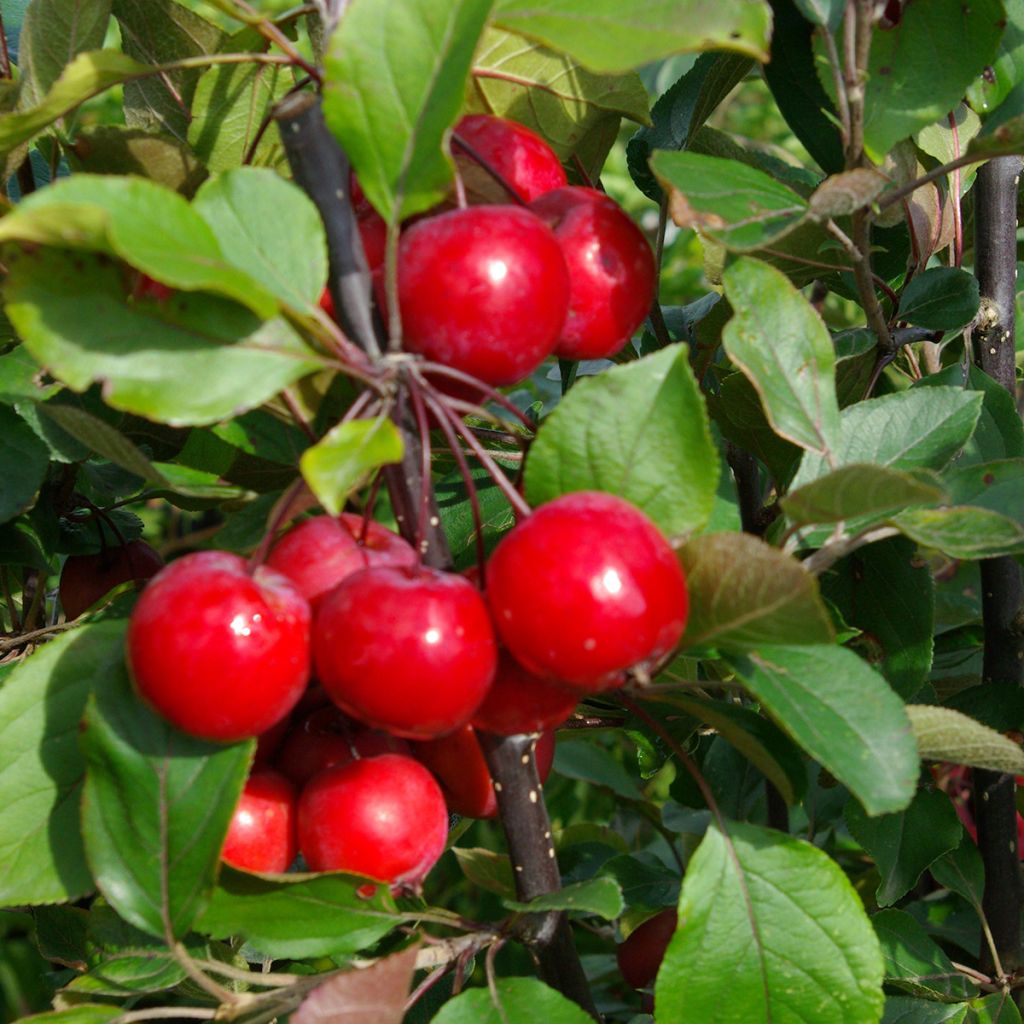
x: 366, y: 675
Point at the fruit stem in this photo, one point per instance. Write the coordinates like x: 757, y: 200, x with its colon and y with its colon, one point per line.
x: 524, y: 818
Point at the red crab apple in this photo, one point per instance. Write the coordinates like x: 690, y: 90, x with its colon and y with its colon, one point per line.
x: 220, y: 651
x: 318, y: 553
x: 84, y: 579
x: 261, y: 836
x: 518, y: 701
x: 483, y: 290
x: 585, y: 587
x: 611, y: 270
x: 640, y: 955
x: 383, y: 817
x: 324, y: 739
x: 521, y: 157
x: 411, y: 651
x: 459, y: 766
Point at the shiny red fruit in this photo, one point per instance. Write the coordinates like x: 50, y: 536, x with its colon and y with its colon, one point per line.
x: 261, y: 836
x: 640, y: 956
x: 611, y: 271
x: 324, y: 739
x: 522, y: 158
x: 409, y: 651
x: 458, y: 764
x: 382, y: 817
x: 84, y: 579
x: 320, y: 552
x: 519, y: 701
x: 148, y: 288
x: 585, y: 587
x: 219, y: 651
x: 484, y: 290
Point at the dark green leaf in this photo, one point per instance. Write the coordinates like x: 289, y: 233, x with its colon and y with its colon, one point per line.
x: 886, y: 592
x: 997, y: 486
x: 515, y: 1001
x: 759, y: 740
x: 991, y: 87
x: 639, y: 431
x: 299, y: 915
x: 269, y: 228
x: 907, y: 1010
x: 393, y: 135
x: 645, y: 881
x: 738, y: 206
x: 157, y: 32
x: 24, y: 460
x: 41, y: 769
x: 744, y: 593
x: 86, y: 1013
x: 962, y: 871
x: 197, y: 360
x: 844, y: 714
x: 941, y: 299
x: 858, y: 490
x: 781, y: 343
x: 914, y: 962
x: 998, y: 1008
x: 578, y: 759
x: 600, y: 896
x: 487, y: 870
x: 906, y: 844
x: 681, y: 111
x: 770, y: 929
x: 920, y: 69
x: 608, y: 36
x: 155, y: 809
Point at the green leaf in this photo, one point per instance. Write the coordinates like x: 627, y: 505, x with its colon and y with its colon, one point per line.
x: 393, y: 135
x: 299, y: 915
x: 914, y: 962
x: 115, y: 149
x: 87, y: 75
x: 195, y: 360
x: 757, y: 738
x: 744, y: 593
x: 639, y: 431
x: 919, y: 70
x: 906, y: 844
x: 52, y: 34
x: 571, y: 108
x: 996, y: 486
x: 780, y: 342
x: 145, y: 224
x: 340, y: 461
x: 230, y: 104
x: 843, y: 714
x: 158, y: 32
x: 269, y: 228
x: 991, y: 87
x: 769, y: 929
x: 732, y: 203
x: 822, y: 12
x: 962, y: 531
x: 155, y: 809
x: 609, y: 36
x: 887, y: 592
x: 86, y: 1013
x: 24, y: 460
x: 856, y: 490
x: 102, y: 438
x: 645, y: 880
x: 941, y: 299
x: 962, y: 871
x: 487, y: 870
x: 681, y: 111
x: 918, y: 429
x: 578, y: 759
x: 514, y: 1001
x: 943, y: 734
x: 41, y: 769
x: 906, y: 1010
x: 998, y: 1008
x: 999, y: 433
x: 600, y: 896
